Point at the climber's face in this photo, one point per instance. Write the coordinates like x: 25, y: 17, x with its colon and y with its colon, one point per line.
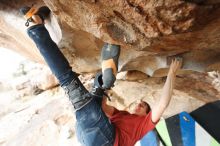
x: 140, y: 108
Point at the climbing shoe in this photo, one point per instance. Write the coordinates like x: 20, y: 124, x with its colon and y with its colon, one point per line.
x: 77, y: 93
x: 98, y: 91
x: 109, y: 56
x: 43, y: 12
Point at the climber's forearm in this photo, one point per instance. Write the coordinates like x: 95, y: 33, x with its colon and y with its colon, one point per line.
x: 165, y: 98
x: 167, y: 91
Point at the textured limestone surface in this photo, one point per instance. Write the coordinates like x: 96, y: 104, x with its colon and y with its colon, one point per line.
x: 150, y: 33
x: 191, y: 91
x: 48, y: 118
x: 45, y: 119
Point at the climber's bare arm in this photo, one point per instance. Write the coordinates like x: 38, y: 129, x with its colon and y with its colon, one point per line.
x: 167, y: 91
x: 109, y: 110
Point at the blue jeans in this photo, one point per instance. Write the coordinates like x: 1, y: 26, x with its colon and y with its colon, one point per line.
x: 93, y: 127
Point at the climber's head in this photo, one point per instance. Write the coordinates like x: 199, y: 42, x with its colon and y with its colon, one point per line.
x: 140, y: 108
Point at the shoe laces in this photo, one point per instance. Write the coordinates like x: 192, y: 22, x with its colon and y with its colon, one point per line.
x: 99, y: 92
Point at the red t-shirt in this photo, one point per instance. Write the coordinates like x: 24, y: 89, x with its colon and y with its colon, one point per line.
x: 130, y: 128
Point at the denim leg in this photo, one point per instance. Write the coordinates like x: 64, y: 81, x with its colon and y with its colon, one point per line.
x: 51, y: 53
x: 59, y: 65
x: 93, y: 127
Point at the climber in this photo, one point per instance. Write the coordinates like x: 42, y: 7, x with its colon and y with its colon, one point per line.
x: 132, y: 127
x: 97, y: 123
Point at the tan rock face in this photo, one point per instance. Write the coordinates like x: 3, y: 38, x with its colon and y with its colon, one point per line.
x: 141, y: 23
x: 46, y: 119
x: 34, y: 79
x: 190, y: 91
x: 150, y: 33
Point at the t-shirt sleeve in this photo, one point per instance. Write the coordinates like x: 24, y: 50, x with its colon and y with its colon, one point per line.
x: 146, y: 125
